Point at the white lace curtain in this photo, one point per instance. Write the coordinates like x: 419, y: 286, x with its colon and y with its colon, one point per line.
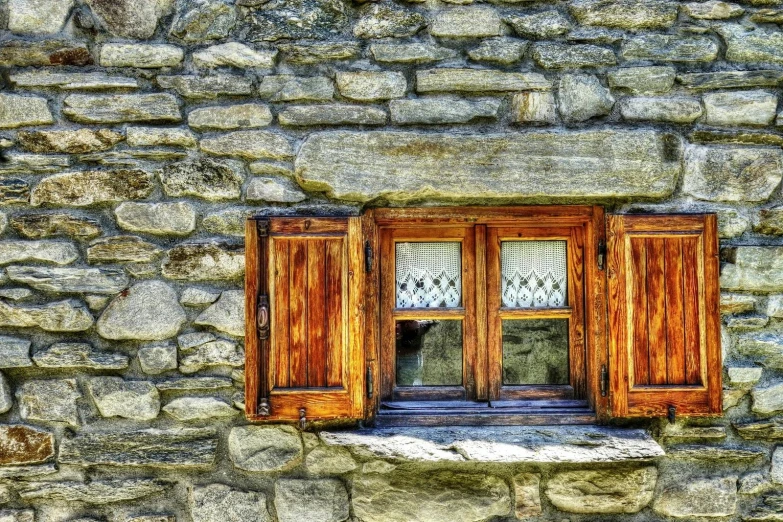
x: 533, y: 274
x: 428, y: 275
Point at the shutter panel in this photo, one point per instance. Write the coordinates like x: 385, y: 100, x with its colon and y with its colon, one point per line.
x: 664, y: 323
x: 305, y: 282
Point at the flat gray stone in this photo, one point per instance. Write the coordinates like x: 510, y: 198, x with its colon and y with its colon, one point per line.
x: 329, y: 460
x: 147, y: 311
x: 79, y: 355
x: 296, y: 19
x: 203, y: 21
x: 17, y: 515
x: 752, y: 46
x: 207, y: 87
x: 696, y: 497
x: 14, y: 352
x: 246, y: 116
x: 195, y: 296
x: 119, y: 108
x: 384, y: 21
x: 478, y: 80
x: 158, y: 358
x: 51, y: 400
x: 602, y: 491
x: 70, y: 280
x: 22, y: 445
x: 265, y: 448
x: 625, y: 14
x: 68, y: 141
x: 673, y: 110
x: 178, y: 219
x: 371, y: 85
x: 172, y: 448
x: 155, y: 136
x: 768, y: 400
x: 740, y: 108
x: 97, y: 81
x: 219, y: 352
x: 527, y: 495
x: 314, y: 53
x: 194, y: 383
x: 697, y: 452
x: 643, y: 80
x: 81, y: 189
x: 732, y: 173
x: 142, y: 56
x: 46, y: 225
x: 442, y: 110
x: 37, y: 16
x: 249, y: 144
x: 582, y: 97
x: 218, y: 502
x: 766, y: 348
x: 95, y: 492
x: 764, y: 430
x: 737, y: 303
x: 466, y: 22
x: 435, y: 496
x: 287, y: 87
x: 670, y: 48
x: 186, y: 409
x: 62, y: 316
x: 712, y: 10
x: 136, y: 19
x: 204, y: 261
x: 396, y: 165
x: 534, y: 107
x: 770, y: 221
x: 331, y: 114
x: 227, y: 314
x: 6, y: 398
x: 274, y: 190
x: 517, y: 444
x: 730, y: 79
x: 23, y: 111
x: 203, y: 178
x: 743, y: 377
x: 414, y: 52
x: 122, y: 249
x: 542, y: 25
x: 56, y: 252
x: 22, y: 53
x: 556, y: 55
x: 503, y: 51
x: 311, y: 500
x: 115, y: 397
x: 234, y: 54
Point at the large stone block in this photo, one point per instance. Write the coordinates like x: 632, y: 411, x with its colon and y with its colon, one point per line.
x: 311, y: 500
x: 61, y: 316
x: 249, y: 145
x: 732, y: 173
x: 296, y: 19
x: 49, y: 401
x: 22, y: 111
x: 147, y: 311
x: 81, y: 189
x: 467, y: 22
x: 604, y: 491
x: 583, y: 97
x: 371, y: 86
x: 265, y: 448
x: 752, y: 46
x: 131, y: 18
x: 227, y: 314
x: 202, y: 21
x: 556, y: 55
x: 119, y: 108
x: 543, y: 25
x: 220, y: 503
x: 432, y: 497
x: 204, y: 261
x: 384, y: 21
x: 766, y: 348
x: 14, y: 352
x: 37, y: 16
x: 625, y: 14
x: 115, y: 397
x: 740, y: 108
x: 174, y: 448
x: 768, y: 400
x: 405, y: 166
x: 203, y: 178
x: 178, y: 219
x: 209, y: 354
x: 691, y: 498
x: 24, y: 445
x: 70, y: 280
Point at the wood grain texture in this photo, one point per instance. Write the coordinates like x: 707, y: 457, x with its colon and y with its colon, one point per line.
x: 656, y: 311
x: 252, y: 349
x: 675, y: 313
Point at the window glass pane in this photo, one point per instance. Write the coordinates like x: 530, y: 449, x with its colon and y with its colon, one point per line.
x: 533, y: 274
x: 429, y: 353
x: 535, y: 351
x: 428, y: 275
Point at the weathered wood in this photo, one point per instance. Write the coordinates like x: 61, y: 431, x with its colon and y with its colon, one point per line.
x: 480, y: 372
x: 675, y: 314
x: 334, y: 313
x: 316, y: 313
x: 639, y: 313
x: 281, y: 321
x: 692, y: 329
x: 252, y: 349
x: 656, y: 311
x: 297, y: 303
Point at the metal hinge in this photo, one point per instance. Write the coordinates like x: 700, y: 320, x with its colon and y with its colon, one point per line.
x: 672, y: 414
x: 263, y: 227
x: 368, y: 257
x: 604, y: 382
x: 601, y: 254
x: 302, y: 419
x: 369, y: 383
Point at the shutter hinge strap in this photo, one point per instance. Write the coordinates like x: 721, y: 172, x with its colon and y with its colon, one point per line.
x: 368, y: 257
x: 370, y: 386
x: 604, y: 381
x: 601, y: 254
x: 263, y: 227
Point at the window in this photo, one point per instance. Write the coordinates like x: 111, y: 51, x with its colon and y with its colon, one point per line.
x: 515, y: 315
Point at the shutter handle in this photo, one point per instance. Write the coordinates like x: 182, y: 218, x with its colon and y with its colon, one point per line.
x: 263, y: 317
x: 302, y: 419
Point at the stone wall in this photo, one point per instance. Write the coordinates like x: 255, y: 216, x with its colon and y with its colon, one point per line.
x: 137, y: 134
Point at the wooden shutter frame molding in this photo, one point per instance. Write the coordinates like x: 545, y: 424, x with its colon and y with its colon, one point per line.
x: 655, y: 400
x: 302, y: 403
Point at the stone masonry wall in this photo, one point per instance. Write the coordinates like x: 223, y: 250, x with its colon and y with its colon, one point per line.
x: 138, y: 134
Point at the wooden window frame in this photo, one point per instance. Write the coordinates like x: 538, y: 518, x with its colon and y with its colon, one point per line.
x: 581, y: 226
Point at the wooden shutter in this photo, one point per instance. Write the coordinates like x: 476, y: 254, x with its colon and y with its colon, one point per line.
x: 664, y: 324
x: 305, y: 300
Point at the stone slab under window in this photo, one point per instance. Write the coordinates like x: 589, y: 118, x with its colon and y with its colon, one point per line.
x: 503, y: 445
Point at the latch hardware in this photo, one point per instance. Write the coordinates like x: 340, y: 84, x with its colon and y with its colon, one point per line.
x: 369, y: 383
x: 672, y: 414
x: 601, y: 254
x: 263, y: 407
x: 302, y: 419
x: 604, y: 380
x: 263, y: 227
x: 262, y: 317
x: 368, y: 257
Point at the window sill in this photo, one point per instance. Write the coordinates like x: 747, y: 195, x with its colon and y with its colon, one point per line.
x: 505, y: 445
